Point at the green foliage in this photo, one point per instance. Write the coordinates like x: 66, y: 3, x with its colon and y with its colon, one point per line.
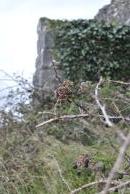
x: 37, y: 161
x: 87, y: 49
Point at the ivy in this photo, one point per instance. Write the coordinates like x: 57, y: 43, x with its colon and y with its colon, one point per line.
x: 87, y: 49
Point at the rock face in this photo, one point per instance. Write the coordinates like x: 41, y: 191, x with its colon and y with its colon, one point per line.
x: 117, y: 12
x: 44, y: 79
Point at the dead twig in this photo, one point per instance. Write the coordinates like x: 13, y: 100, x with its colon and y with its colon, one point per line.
x: 69, y: 117
x: 60, y: 174
x: 120, y: 186
x: 102, y: 107
x: 75, y: 191
x: 117, y: 117
x: 63, y: 118
x: 117, y: 164
x: 120, y: 82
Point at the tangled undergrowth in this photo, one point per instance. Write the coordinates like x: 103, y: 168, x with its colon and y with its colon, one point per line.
x: 44, y: 152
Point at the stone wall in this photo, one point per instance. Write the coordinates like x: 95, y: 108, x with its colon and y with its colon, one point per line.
x: 45, y: 80
x: 118, y: 12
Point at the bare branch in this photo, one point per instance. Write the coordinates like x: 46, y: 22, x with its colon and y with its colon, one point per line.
x: 63, y: 118
x: 116, y: 117
x: 46, y: 112
x: 69, y: 117
x: 91, y: 185
x: 117, y: 164
x: 60, y: 173
x: 102, y: 107
x: 120, y: 186
x: 120, y: 82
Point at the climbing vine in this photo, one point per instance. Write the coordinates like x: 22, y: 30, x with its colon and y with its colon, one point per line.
x: 87, y: 49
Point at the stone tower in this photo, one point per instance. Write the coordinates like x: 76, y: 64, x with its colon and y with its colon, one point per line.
x: 44, y: 79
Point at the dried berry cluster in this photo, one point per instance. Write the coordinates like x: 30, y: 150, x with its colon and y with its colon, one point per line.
x: 85, y: 161
x: 82, y: 161
x: 64, y: 91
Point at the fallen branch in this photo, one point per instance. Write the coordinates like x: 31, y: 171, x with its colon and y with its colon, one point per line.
x: 102, y: 107
x: 69, y: 117
x: 91, y: 185
x: 127, y: 157
x: 120, y: 82
x: 116, y: 117
x: 117, y: 164
x: 63, y: 118
x: 120, y: 186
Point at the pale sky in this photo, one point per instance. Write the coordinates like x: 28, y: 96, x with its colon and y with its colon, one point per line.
x: 18, y: 23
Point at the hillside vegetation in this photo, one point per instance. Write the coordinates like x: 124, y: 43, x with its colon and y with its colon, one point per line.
x: 77, y: 141
x: 70, y: 142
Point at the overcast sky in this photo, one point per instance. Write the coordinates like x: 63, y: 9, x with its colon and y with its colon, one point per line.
x: 18, y: 22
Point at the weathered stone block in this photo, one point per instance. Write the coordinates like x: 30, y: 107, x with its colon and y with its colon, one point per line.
x: 44, y: 79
